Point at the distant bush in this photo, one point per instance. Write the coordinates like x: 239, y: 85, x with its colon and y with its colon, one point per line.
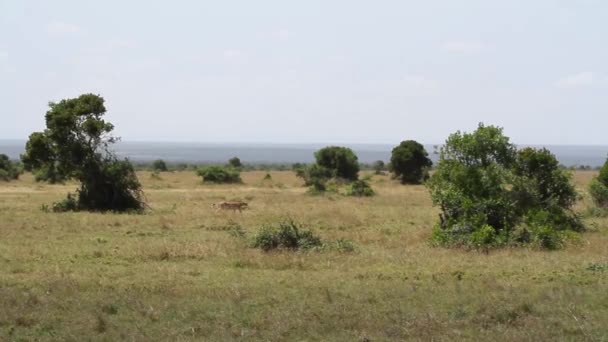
x: 287, y: 234
x: 219, y: 174
x: 491, y: 194
x: 8, y: 169
x: 341, y: 161
x: 378, y: 167
x: 159, y: 165
x: 235, y: 163
x: 410, y: 162
x: 598, y: 188
x: 360, y: 188
x: 315, y: 176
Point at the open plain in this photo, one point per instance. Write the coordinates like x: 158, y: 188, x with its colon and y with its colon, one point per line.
x: 183, y: 271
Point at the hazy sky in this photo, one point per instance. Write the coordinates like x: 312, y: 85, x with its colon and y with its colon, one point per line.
x: 312, y: 71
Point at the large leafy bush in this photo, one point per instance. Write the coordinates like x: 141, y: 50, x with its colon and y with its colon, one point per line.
x: 491, y: 194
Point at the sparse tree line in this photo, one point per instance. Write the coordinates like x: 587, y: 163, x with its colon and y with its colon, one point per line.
x: 489, y: 192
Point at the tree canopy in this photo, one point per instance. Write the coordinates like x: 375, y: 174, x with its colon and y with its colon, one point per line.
x: 491, y: 194
x: 341, y: 161
x: 410, y: 162
x: 75, y: 145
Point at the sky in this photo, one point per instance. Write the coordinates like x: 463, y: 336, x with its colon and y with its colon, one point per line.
x: 312, y: 71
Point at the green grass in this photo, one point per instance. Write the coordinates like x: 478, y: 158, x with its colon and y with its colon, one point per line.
x: 184, y: 272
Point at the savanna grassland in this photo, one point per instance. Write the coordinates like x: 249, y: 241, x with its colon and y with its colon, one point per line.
x: 183, y: 271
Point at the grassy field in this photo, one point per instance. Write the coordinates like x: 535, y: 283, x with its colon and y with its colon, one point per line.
x: 182, y: 271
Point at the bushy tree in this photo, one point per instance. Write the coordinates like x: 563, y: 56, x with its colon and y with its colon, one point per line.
x: 219, y: 174
x: 491, y: 194
x: 159, y: 165
x: 235, y: 162
x: 410, y: 162
x: 341, y: 161
x: 75, y: 145
x: 8, y: 169
x: 598, y: 188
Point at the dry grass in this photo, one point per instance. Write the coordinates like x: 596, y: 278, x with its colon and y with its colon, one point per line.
x: 179, y: 273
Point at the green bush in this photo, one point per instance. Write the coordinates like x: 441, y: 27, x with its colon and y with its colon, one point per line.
x: 8, y: 169
x: 235, y: 162
x: 287, y: 234
x: 159, y: 165
x: 70, y: 203
x: 379, y: 167
x: 76, y: 145
x: 410, y: 162
x: 360, y: 188
x: 490, y: 194
x: 315, y: 176
x: 219, y: 174
x: 341, y: 161
x: 598, y: 188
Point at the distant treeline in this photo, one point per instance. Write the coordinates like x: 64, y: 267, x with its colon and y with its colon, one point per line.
x: 178, y: 166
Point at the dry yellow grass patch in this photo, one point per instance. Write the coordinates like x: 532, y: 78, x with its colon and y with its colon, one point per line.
x: 181, y: 272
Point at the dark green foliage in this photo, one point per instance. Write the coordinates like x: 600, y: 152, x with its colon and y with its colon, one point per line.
x: 598, y: 188
x: 287, y: 234
x: 378, y: 167
x: 410, y: 162
x: 219, y: 174
x: 159, y: 165
x: 8, y: 169
x: 491, y: 194
x: 267, y: 177
x: 235, y: 163
x: 360, y: 188
x: 70, y: 203
x: 75, y: 145
x: 315, y: 176
x: 341, y: 161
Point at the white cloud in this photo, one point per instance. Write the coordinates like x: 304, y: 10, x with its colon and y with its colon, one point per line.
x: 59, y: 28
x: 575, y: 81
x: 463, y: 47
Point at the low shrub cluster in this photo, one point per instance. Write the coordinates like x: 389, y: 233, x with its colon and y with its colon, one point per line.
x: 287, y: 234
x: 8, y: 169
x: 360, y: 188
x: 219, y: 174
x: 335, y: 167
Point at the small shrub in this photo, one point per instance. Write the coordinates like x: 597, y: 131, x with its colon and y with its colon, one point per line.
x: 379, y: 167
x: 267, y: 177
x: 235, y: 163
x: 9, y: 170
x: 345, y: 246
x: 287, y: 234
x: 159, y: 165
x: 70, y: 203
x: 360, y: 188
x: 219, y: 174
